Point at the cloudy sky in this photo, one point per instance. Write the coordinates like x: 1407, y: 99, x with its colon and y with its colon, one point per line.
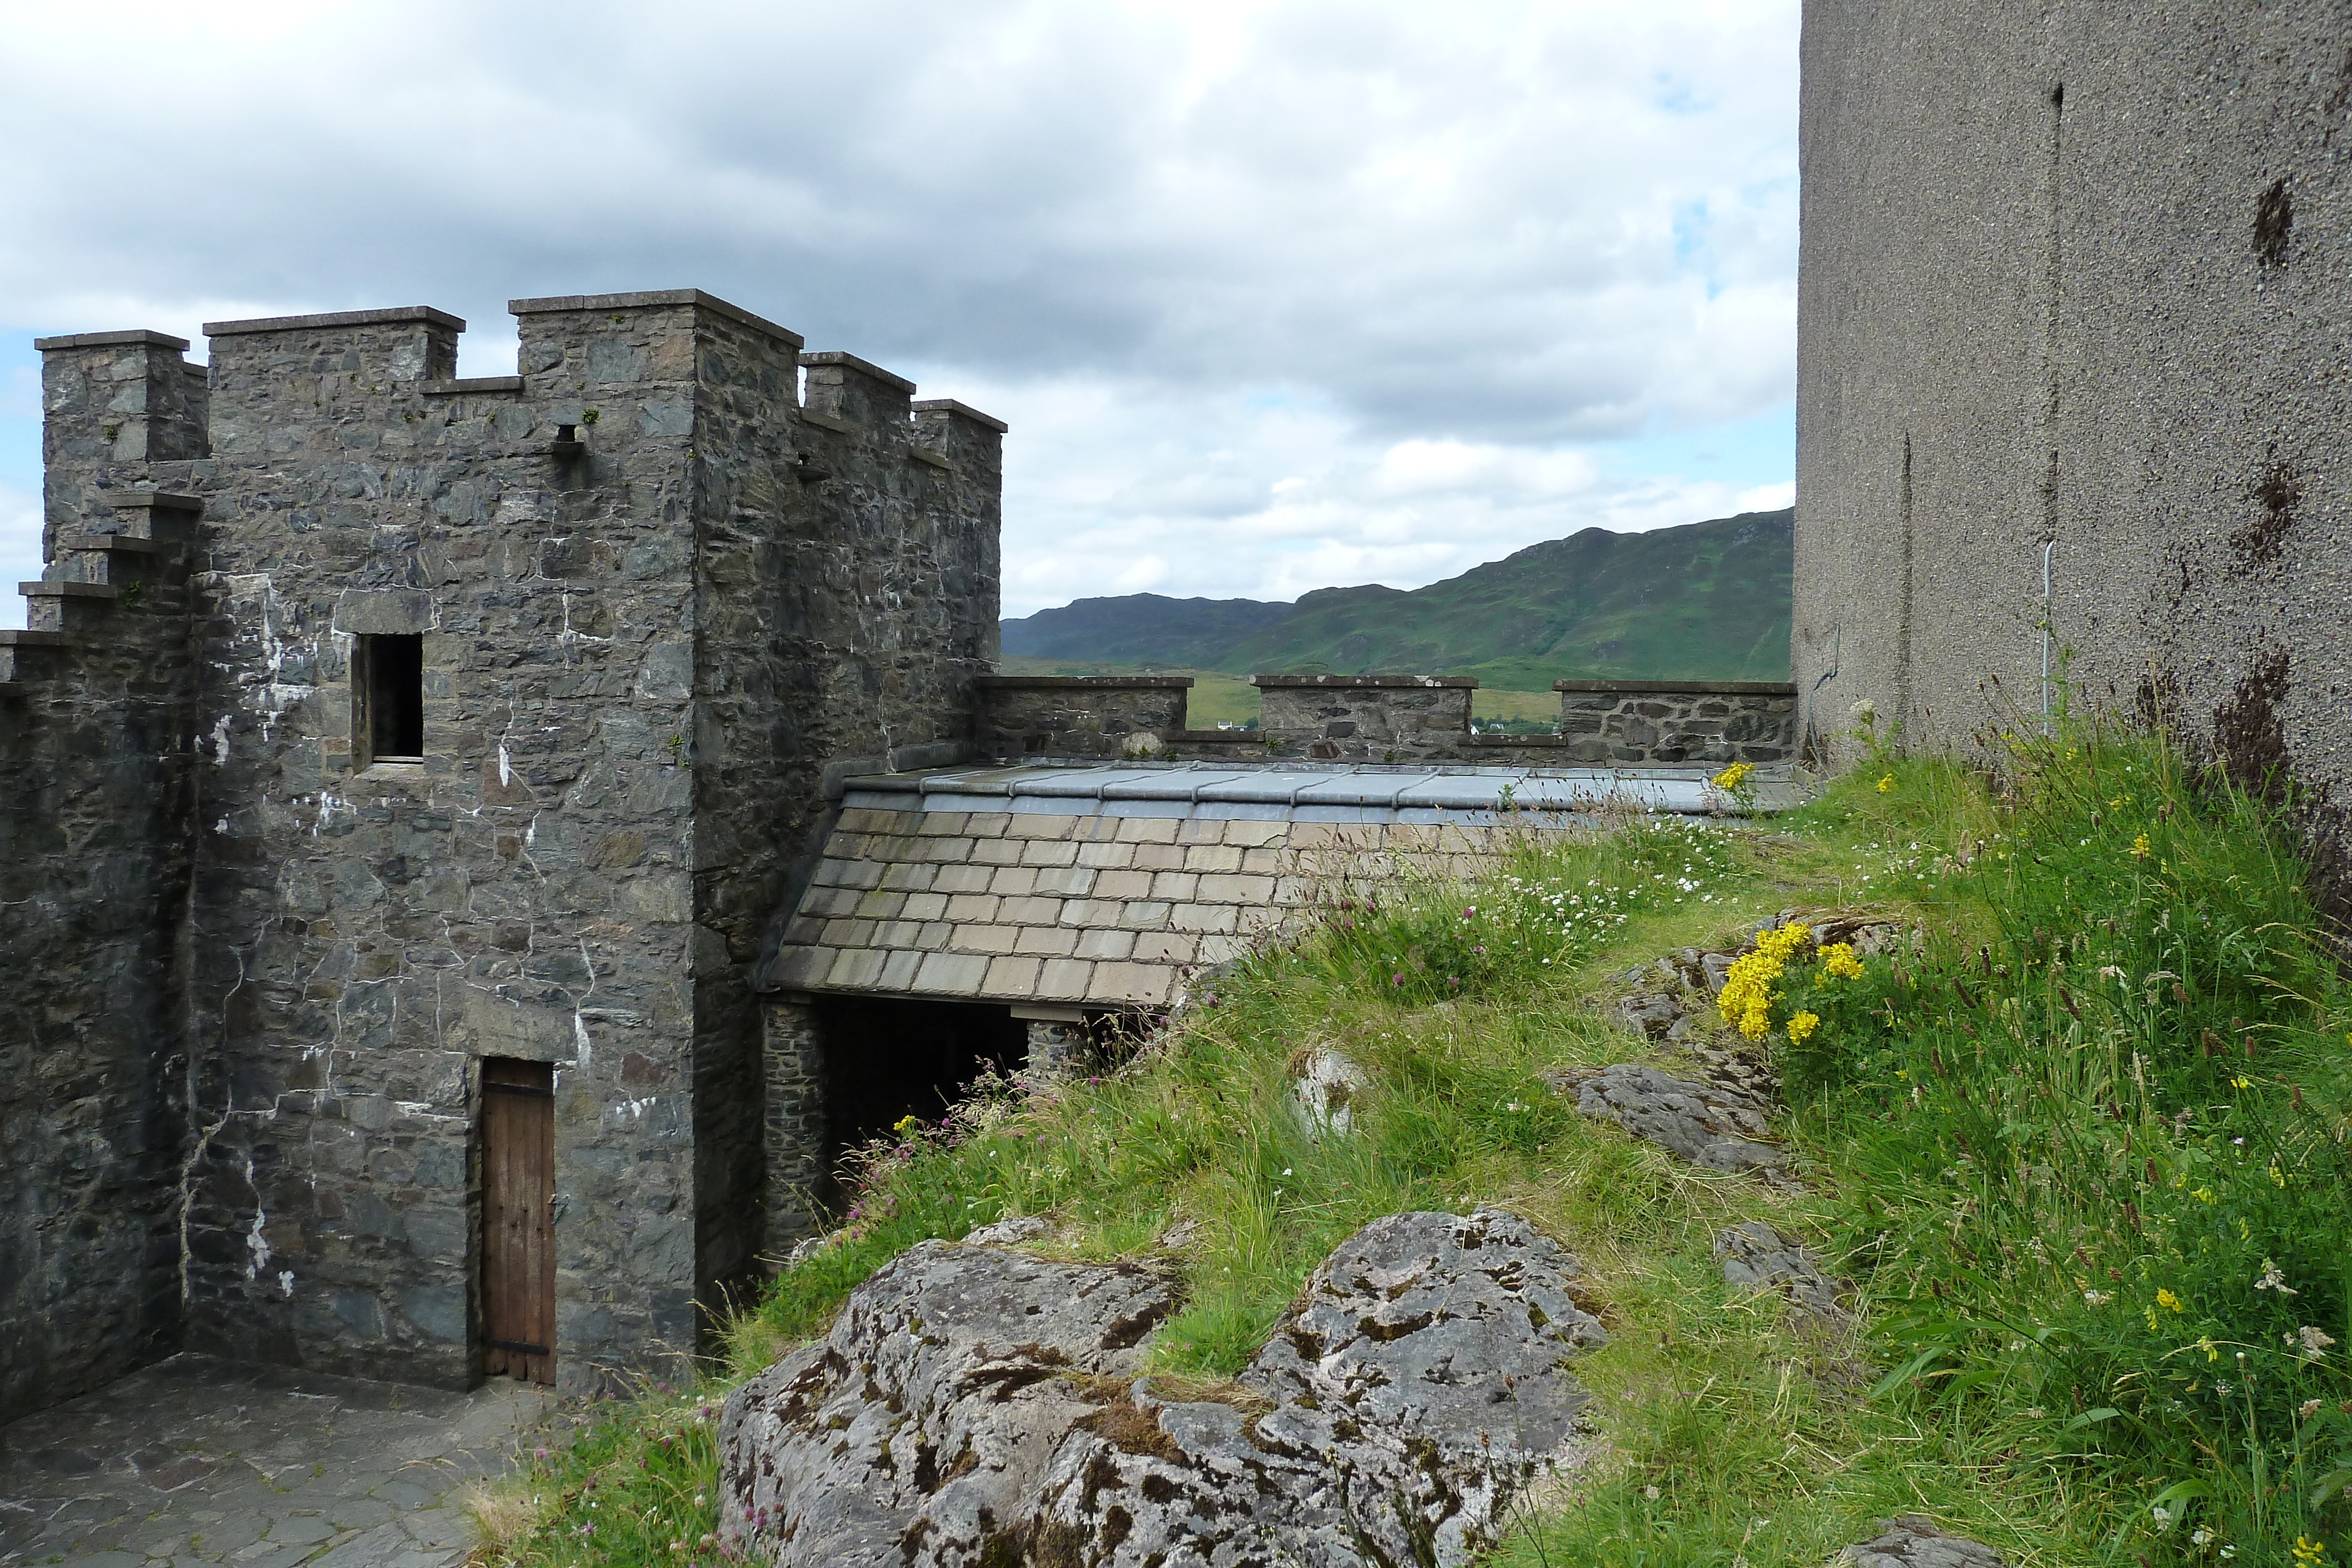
x: 1276, y: 296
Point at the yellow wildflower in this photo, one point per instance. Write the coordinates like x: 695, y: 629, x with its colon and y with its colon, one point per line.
x: 1886, y: 785
x: 2203, y: 1195
x: 1733, y: 777
x: 2205, y: 1345
x: 2242, y: 1084
x: 1839, y: 960
x: 2166, y: 1298
x: 2140, y: 849
x: 2309, y: 1554
x: 1802, y: 1026
x: 1747, y: 995
x: 2278, y: 1176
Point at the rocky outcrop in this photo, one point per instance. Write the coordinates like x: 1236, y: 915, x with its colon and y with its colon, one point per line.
x: 1327, y: 1088
x: 1718, y: 1121
x: 975, y: 1405
x: 926, y: 1417
x: 1912, y: 1540
x: 1009, y: 1232
x: 1757, y: 1256
x: 1705, y: 1124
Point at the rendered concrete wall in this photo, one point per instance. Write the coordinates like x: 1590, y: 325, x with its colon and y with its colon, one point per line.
x: 2075, y: 274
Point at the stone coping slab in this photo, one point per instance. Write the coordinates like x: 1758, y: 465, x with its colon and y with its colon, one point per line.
x: 393, y: 316
x: 1358, y: 683
x: 824, y: 357
x: 1728, y: 688
x: 136, y: 335
x: 648, y: 298
x: 962, y: 410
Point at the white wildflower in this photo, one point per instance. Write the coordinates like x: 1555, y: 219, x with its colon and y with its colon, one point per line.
x: 2273, y: 1280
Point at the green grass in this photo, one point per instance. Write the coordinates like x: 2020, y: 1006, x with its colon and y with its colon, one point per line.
x: 2009, y: 1151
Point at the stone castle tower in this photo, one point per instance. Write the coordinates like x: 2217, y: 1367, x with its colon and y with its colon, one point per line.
x: 387, y: 749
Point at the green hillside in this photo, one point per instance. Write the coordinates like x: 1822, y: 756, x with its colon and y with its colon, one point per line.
x: 1704, y: 602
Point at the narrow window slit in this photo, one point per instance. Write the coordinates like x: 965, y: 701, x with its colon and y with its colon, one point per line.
x: 390, y: 687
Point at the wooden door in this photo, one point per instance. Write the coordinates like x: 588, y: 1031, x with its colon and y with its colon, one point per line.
x: 519, y: 1218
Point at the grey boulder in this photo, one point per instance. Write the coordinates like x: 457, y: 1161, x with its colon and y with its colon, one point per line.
x: 1708, y: 1124
x: 1418, y: 1388
x: 925, y: 1419
x: 1757, y: 1256
x: 1912, y: 1540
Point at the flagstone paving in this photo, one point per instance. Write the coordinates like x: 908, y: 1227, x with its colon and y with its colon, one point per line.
x: 198, y: 1460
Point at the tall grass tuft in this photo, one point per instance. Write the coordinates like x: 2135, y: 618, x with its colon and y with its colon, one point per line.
x: 2091, y: 1152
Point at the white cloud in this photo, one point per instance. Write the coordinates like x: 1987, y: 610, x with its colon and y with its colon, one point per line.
x: 20, y: 549
x: 1268, y: 290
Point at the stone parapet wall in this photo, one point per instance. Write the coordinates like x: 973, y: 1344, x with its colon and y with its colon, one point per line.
x: 1081, y: 715
x: 1676, y: 724
x: 1365, y: 716
x: 1389, y: 718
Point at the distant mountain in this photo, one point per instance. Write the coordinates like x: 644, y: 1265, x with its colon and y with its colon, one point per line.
x: 1703, y: 601
x: 1140, y: 629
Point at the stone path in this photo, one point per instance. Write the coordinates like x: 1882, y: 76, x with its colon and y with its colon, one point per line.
x: 197, y: 1461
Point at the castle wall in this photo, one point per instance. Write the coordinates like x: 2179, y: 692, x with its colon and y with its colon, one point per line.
x: 649, y: 640
x: 94, y: 830
x: 2074, y: 275
x: 1082, y: 715
x: 1676, y: 724
x: 1387, y: 720
x: 365, y: 933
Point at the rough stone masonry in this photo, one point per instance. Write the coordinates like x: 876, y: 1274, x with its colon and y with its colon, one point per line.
x: 653, y: 593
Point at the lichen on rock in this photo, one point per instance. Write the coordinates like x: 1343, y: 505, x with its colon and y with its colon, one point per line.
x: 1708, y: 1124
x: 974, y: 1406
x: 1912, y: 1540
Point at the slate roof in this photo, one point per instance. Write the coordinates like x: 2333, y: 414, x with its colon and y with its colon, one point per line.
x: 1101, y: 887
